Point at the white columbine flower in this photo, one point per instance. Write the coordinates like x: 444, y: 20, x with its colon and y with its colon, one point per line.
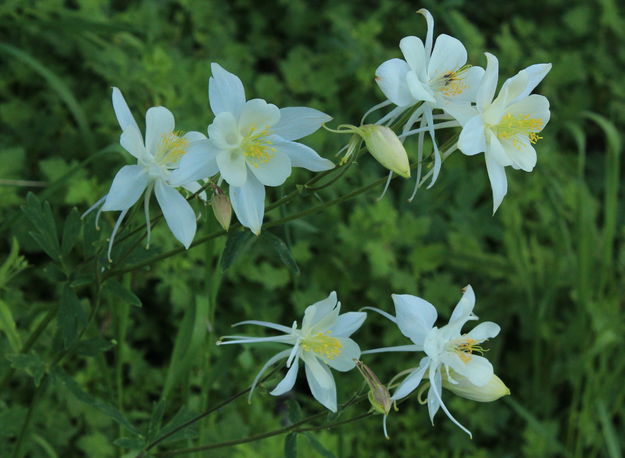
x: 251, y: 145
x: 505, y: 128
x: 448, y: 352
x: 321, y: 343
x: 157, y: 157
x: 436, y: 76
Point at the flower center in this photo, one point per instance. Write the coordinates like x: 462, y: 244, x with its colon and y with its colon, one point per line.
x: 322, y: 344
x: 170, y: 149
x: 452, y: 83
x: 464, y: 348
x: 257, y: 147
x: 511, y: 127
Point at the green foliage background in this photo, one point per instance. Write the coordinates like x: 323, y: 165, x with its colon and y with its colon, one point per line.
x: 548, y: 266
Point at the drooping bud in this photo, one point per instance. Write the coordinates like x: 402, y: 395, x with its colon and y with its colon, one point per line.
x: 489, y: 392
x: 386, y: 148
x: 379, y: 396
x: 222, y: 209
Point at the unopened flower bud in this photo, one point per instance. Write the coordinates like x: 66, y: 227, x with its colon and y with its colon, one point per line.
x: 222, y: 209
x: 489, y: 392
x: 386, y: 148
x: 379, y: 396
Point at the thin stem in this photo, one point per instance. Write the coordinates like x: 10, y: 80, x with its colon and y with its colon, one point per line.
x: 17, y: 451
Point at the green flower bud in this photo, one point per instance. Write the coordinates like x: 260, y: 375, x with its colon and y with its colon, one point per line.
x: 379, y: 396
x: 222, y: 209
x: 386, y: 148
x: 492, y: 391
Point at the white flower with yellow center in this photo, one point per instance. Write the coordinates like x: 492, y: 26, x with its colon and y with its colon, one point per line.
x: 436, y: 76
x: 448, y: 351
x: 321, y: 343
x: 505, y: 128
x: 251, y: 145
x: 157, y: 158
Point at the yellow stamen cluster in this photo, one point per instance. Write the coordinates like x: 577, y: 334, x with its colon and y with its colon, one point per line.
x: 452, y: 83
x: 322, y: 344
x: 257, y: 147
x: 171, y: 148
x: 511, y: 127
x: 465, y: 348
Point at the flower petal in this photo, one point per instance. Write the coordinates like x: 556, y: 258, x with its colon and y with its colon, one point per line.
x: 348, y: 323
x: 498, y: 181
x: 275, y: 358
x: 299, y: 122
x: 483, y: 331
x: 122, y: 112
x: 194, y: 136
x: 248, y: 203
x: 128, y: 185
x: 472, y: 78
x: 346, y: 360
x: 418, y: 89
x: 224, y: 131
x: 535, y: 74
x: 463, y: 311
x: 478, y: 370
x: 132, y: 141
x: 225, y: 91
x: 178, y: 213
x: 448, y: 55
x: 274, y: 171
x: 257, y: 115
x: 391, y: 78
x: 233, y: 167
x: 321, y: 382
x: 410, y: 383
x: 199, y: 162
x: 434, y: 393
x: 536, y: 106
x: 159, y: 122
x: 267, y: 324
x: 414, y: 52
x: 286, y: 384
x: 472, y: 138
x: 415, y: 316
x: 486, y: 92
x: 320, y: 310
x: 303, y: 156
x: 521, y: 153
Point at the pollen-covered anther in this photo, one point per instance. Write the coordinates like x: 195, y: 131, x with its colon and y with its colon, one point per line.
x: 452, y: 83
x: 257, y: 147
x: 466, y: 347
x: 323, y: 345
x: 513, y: 127
x: 171, y: 148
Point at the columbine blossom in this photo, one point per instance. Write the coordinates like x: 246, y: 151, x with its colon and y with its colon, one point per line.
x: 251, y: 145
x: 436, y: 77
x: 321, y: 343
x: 157, y: 157
x: 448, y: 352
x: 505, y: 128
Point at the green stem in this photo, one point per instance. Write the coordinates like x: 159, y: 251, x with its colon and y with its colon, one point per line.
x: 17, y: 452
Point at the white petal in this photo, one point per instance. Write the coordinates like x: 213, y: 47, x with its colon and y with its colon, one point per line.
x: 233, y: 167
x: 303, y: 156
x: 448, y: 55
x: 496, y: 150
x: 257, y: 115
x: 321, y: 311
x: 535, y: 74
x: 415, y: 316
x: 414, y: 52
x: 299, y: 122
x: 464, y: 308
x: 128, y: 185
x: 418, y: 89
x: 346, y: 361
x: 472, y: 139
x: 381, y: 312
x: 536, y: 106
x: 225, y: 91
x: 266, y: 324
x: 434, y: 393
x: 399, y: 348
x: 472, y: 79
x: 521, y: 153
x: 199, y: 162
x: 274, y: 171
x: 348, y: 323
x: 498, y: 181
x: 194, y: 136
x: 159, y: 122
x: 478, y: 370
x: 429, y: 20
x: 288, y: 381
x: 122, y: 112
x: 513, y: 87
x: 486, y: 92
x: 275, y: 358
x: 410, y: 383
x: 391, y: 78
x: 248, y: 203
x: 178, y: 213
x: 321, y: 383
x: 132, y: 141
x: 483, y: 331
x: 224, y: 131
x: 461, y: 112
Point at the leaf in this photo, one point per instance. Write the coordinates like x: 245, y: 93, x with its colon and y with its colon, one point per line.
x: 104, y: 407
x: 120, y: 291
x: 71, y: 231
x: 290, y: 445
x: 71, y: 318
x: 94, y: 346
x: 181, y: 417
x: 130, y: 443
x: 155, y: 419
x: 32, y: 364
x: 7, y: 325
x: 42, y: 221
x: 319, y: 448
x: 237, y: 243
x: 283, y: 251
x: 295, y: 411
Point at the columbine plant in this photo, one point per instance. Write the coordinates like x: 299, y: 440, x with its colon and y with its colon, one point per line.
x: 321, y: 343
x: 157, y: 157
x: 450, y: 355
x: 251, y: 145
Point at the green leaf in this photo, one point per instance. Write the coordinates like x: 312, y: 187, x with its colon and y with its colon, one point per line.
x: 283, y: 251
x: 290, y: 445
x: 295, y: 411
x: 120, y: 291
x: 93, y: 347
x: 104, y: 407
x: 32, y: 364
x: 7, y: 325
x: 318, y: 447
x: 130, y: 443
x: 42, y: 220
x: 182, y: 416
x: 155, y: 419
x: 71, y: 318
x: 71, y: 231
x: 237, y: 243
